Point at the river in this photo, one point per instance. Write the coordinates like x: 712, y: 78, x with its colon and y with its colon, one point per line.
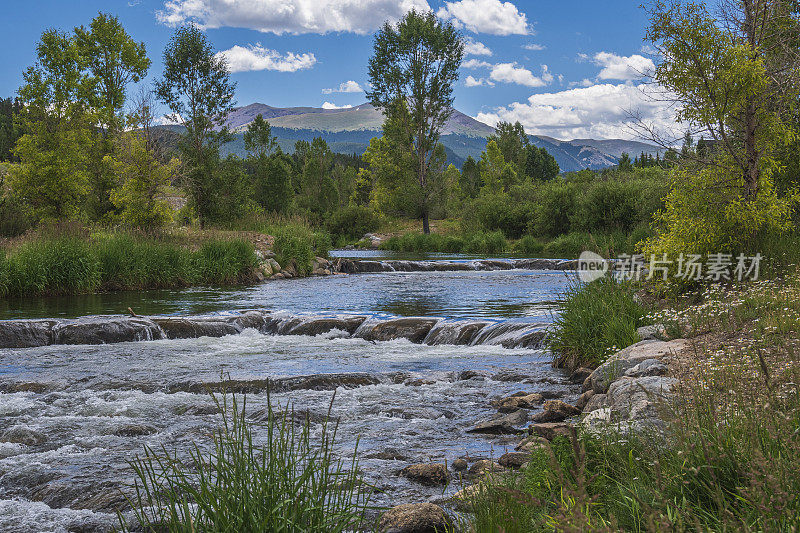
x: 72, y: 416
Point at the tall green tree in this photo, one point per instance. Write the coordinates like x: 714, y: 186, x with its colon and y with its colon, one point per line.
x: 52, y: 178
x: 273, y: 181
x: 497, y: 175
x: 111, y: 60
x: 411, y: 72
x: 734, y: 74
x: 625, y: 164
x: 470, y: 179
x: 197, y: 89
x: 319, y: 194
x: 539, y: 164
x: 512, y: 141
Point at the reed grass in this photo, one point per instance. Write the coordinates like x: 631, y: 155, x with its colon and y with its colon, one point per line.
x: 57, y: 265
x: 292, y: 483
x: 593, y: 321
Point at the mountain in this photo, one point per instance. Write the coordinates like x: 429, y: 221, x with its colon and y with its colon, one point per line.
x: 349, y: 130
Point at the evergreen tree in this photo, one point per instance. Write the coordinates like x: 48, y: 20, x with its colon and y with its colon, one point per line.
x: 539, y: 164
x: 625, y: 164
x: 470, y: 179
x: 273, y: 182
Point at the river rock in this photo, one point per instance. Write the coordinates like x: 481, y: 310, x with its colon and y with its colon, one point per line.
x: 192, y: 328
x: 638, y: 401
x: 501, y: 424
x: 415, y: 518
x: 648, y: 367
x: 551, y: 430
x: 597, y: 401
x: 266, y: 268
x: 625, y: 359
x: 508, y: 374
x: 514, y: 460
x: 317, y: 326
x: 520, y: 400
x: 579, y: 375
x: 427, y: 474
x: 529, y: 444
x: 277, y: 275
x: 250, y: 320
x: 459, y: 465
x: 106, y: 330
x: 584, y: 399
x: 653, y: 332
x: 26, y: 333
x: 556, y: 411
x: 481, y: 467
x: 412, y: 328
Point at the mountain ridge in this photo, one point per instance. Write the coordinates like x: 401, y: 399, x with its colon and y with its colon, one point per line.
x: 349, y: 129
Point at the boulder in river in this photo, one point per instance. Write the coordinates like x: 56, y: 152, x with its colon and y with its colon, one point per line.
x: 502, y: 424
x: 551, y: 430
x: 415, y: 518
x: 520, y: 400
x: 317, y: 326
x: 556, y: 411
x: 412, y: 328
x: 26, y: 333
x: 481, y: 467
x: 431, y: 474
x: 105, y: 330
x: 192, y: 328
x: 514, y: 460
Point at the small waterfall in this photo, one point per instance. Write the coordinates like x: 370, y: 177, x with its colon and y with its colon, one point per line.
x: 454, y: 331
x: 511, y: 334
x: 360, y: 266
x: 419, y: 330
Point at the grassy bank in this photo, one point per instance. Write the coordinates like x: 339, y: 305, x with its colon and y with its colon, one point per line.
x: 74, y: 264
x: 729, y: 458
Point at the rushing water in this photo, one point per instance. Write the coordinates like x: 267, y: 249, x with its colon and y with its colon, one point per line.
x: 72, y: 416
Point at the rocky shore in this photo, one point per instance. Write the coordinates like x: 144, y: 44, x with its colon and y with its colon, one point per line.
x: 629, y: 392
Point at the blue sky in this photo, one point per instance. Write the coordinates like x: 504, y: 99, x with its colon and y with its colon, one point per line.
x: 568, y: 68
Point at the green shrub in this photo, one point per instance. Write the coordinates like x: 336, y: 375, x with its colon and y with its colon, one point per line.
x: 607, y: 206
x: 554, y: 209
x: 140, y: 263
x: 593, y: 320
x: 352, y: 222
x: 569, y: 246
x: 292, y: 483
x: 499, y: 213
x: 529, y: 245
x: 486, y: 243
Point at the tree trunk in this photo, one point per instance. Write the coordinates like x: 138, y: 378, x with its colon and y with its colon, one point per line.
x: 752, y: 172
x: 426, y: 229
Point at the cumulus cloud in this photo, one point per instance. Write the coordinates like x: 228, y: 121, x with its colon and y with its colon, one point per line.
x: 348, y: 86
x: 476, y: 48
x: 624, y: 68
x: 512, y: 73
x: 471, y: 81
x: 600, y: 111
x: 330, y: 105
x: 288, y: 16
x: 476, y: 63
x: 486, y: 16
x: 256, y: 57
x: 534, y: 47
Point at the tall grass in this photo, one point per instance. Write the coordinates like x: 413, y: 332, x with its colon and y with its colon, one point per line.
x: 476, y: 243
x: 50, y: 265
x: 593, y: 320
x: 292, y: 483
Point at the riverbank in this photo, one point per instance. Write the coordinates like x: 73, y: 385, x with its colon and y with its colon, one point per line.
x: 695, y: 426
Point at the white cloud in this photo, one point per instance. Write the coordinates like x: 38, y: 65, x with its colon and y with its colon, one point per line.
x: 329, y: 105
x: 470, y: 81
x: 256, y: 57
x: 476, y: 63
x: 616, y: 67
x: 585, y: 82
x: 534, y: 47
x: 486, y: 16
x: 349, y: 86
x: 512, y: 73
x: 288, y: 16
x: 601, y: 111
x: 476, y: 48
